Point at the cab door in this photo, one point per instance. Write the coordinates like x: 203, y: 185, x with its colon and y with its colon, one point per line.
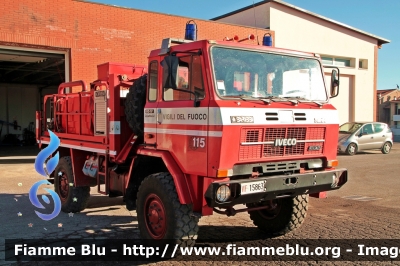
x: 150, y: 111
x: 182, y: 128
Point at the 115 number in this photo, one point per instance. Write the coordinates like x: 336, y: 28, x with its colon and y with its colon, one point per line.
x: 198, y: 142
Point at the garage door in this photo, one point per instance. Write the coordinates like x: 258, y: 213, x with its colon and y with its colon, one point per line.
x: 344, y: 103
x: 26, y: 75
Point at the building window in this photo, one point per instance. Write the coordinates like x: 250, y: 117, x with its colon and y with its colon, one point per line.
x: 327, y: 61
x: 342, y: 62
x: 363, y: 63
x: 336, y: 61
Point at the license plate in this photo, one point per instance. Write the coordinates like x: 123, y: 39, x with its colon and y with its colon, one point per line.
x: 252, y: 187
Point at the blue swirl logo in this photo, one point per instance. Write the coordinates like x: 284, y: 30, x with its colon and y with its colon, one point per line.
x: 45, y: 169
x: 46, y: 153
x: 33, y: 197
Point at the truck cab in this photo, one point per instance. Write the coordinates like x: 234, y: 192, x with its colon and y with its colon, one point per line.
x: 206, y: 127
x: 245, y: 123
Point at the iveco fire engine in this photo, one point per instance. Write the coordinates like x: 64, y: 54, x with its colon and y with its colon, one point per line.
x: 207, y: 126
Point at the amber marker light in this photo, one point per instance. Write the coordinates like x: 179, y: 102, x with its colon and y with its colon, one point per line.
x: 332, y: 163
x: 221, y: 173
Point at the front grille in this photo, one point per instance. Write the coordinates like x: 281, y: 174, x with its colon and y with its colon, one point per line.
x: 281, y: 166
x: 260, y: 142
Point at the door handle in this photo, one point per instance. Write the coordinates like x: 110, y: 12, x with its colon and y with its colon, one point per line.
x: 159, y: 116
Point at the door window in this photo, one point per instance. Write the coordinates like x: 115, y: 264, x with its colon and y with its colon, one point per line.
x: 367, y: 129
x: 153, y: 80
x: 190, y: 78
x: 378, y: 128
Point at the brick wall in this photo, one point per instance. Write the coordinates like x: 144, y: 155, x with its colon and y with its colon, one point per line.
x: 97, y: 33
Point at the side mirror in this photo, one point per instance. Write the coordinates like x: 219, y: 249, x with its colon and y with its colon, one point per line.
x: 334, y: 83
x: 170, y: 71
x: 170, y: 66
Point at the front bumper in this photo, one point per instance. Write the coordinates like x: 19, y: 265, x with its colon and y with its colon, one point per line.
x: 342, y: 145
x: 278, y: 187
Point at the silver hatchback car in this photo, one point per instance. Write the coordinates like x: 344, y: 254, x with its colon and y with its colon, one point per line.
x: 355, y: 136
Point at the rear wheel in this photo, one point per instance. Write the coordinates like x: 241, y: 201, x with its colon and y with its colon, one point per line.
x: 351, y: 149
x: 282, y: 215
x: 386, y: 147
x: 73, y: 199
x: 160, y: 214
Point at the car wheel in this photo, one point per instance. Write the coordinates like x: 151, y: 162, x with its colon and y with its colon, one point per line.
x: 351, y: 149
x: 386, y: 148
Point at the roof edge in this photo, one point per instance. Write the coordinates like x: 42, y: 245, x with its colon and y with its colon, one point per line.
x: 241, y: 9
x: 380, y: 40
x: 166, y: 14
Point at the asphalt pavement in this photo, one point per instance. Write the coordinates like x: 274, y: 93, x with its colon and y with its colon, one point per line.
x: 365, y: 208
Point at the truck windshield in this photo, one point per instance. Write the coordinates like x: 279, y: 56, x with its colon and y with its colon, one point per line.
x: 242, y: 73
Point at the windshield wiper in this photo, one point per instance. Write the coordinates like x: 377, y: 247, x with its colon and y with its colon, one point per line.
x: 269, y: 99
x: 318, y: 103
x: 294, y: 100
x: 304, y: 100
x: 249, y: 97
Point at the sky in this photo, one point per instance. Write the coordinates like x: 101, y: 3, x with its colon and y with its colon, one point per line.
x: 381, y: 18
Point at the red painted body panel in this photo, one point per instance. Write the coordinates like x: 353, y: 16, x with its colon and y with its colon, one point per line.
x: 193, y: 142
x: 74, y: 110
x: 78, y: 158
x: 179, y: 177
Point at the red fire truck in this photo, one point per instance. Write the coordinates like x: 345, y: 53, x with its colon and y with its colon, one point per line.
x: 206, y: 126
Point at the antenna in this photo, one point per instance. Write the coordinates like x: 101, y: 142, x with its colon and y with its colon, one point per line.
x: 255, y: 22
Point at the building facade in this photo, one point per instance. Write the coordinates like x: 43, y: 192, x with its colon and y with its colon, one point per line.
x: 355, y: 52
x: 388, y: 109
x: 44, y: 43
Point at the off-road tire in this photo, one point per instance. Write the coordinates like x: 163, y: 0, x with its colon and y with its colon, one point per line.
x: 387, y: 146
x: 177, y: 222
x: 134, y: 105
x: 73, y: 199
x: 287, y: 218
x: 351, y: 149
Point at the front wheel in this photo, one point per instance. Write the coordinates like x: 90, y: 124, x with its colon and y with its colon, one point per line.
x: 351, y: 149
x: 282, y: 215
x: 386, y: 147
x: 73, y: 199
x: 160, y: 214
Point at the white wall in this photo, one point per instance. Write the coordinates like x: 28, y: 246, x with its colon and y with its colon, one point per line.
x: 22, y: 104
x: 344, y: 102
x: 298, y: 30
x: 258, y: 17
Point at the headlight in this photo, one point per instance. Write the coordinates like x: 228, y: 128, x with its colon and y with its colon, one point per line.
x: 335, y: 180
x: 223, y: 193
